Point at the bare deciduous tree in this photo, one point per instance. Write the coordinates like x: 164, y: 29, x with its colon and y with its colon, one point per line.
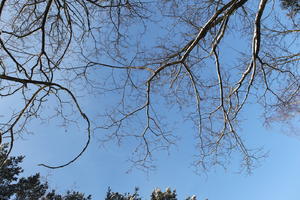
x: 204, y: 60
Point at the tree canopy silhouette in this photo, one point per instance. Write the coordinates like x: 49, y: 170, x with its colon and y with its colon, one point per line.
x: 157, y: 194
x: 14, y: 187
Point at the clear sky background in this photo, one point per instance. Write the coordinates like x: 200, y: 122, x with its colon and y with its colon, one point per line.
x: 100, y: 167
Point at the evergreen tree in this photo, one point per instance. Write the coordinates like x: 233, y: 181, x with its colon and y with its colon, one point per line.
x: 157, y: 194
x: 14, y: 187
x: 117, y: 196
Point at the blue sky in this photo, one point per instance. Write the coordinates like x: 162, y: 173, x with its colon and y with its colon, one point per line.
x: 100, y: 167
